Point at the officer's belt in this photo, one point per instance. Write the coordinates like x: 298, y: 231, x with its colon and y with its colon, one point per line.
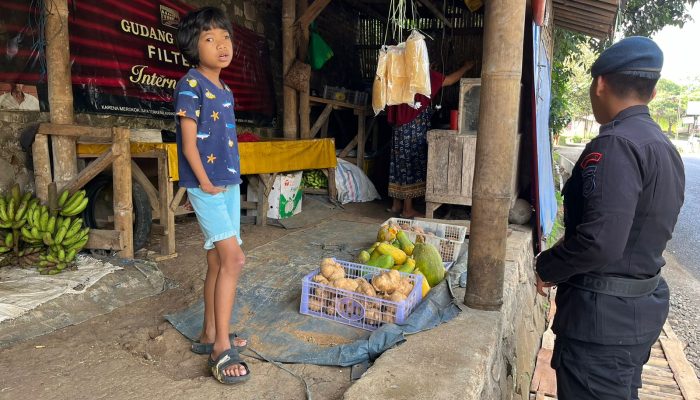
x: 615, y: 286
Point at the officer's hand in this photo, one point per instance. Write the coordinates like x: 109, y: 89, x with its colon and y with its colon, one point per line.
x: 541, y: 285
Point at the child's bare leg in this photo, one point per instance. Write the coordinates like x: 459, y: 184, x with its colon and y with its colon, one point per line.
x: 208, y: 327
x: 231, y: 263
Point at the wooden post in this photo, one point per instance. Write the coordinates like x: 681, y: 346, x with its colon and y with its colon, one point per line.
x: 60, y: 89
x: 504, y: 23
x: 304, y: 105
x: 360, y: 139
x: 123, y: 206
x: 288, y: 56
x: 167, y: 216
x: 42, y: 166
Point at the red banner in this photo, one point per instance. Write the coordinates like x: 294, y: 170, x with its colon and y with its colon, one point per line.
x: 125, y: 60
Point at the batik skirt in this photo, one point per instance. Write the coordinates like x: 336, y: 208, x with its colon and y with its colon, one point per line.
x: 409, y: 157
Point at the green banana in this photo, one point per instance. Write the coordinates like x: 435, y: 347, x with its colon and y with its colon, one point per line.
x: 4, y: 249
x: 47, y: 239
x: 3, y: 209
x: 76, y: 209
x: 74, y: 227
x: 5, y: 225
x: 9, y: 239
x: 74, y: 200
x: 26, y: 233
x: 11, y: 209
x: 60, y: 235
x: 36, y: 217
x: 21, y: 210
x: 63, y: 197
x: 61, y: 255
x: 19, y: 224
x: 83, y: 233
x: 52, y: 258
x: 44, y: 220
x: 35, y: 233
x: 79, y: 244
x: 16, y: 193
x: 71, y: 255
x: 54, y: 271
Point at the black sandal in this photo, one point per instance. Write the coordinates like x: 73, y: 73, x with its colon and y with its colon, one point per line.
x: 225, y: 360
x: 206, y: 348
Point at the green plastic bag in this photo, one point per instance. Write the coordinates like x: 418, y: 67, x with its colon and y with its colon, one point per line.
x: 319, y: 50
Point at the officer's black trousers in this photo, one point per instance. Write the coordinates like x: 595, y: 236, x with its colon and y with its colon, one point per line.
x: 594, y: 371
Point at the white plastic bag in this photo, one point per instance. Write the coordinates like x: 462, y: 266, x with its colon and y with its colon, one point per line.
x: 352, y: 184
x: 397, y: 79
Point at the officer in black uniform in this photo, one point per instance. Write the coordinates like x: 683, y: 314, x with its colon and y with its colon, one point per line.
x: 620, y: 206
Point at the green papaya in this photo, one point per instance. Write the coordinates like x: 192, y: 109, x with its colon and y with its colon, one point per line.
x: 385, y: 261
x: 429, y: 263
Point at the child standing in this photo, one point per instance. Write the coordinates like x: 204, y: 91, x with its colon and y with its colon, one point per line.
x: 209, y: 169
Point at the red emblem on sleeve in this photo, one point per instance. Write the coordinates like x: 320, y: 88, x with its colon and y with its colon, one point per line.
x: 592, y: 158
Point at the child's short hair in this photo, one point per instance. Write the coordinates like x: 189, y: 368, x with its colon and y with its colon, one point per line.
x: 193, y: 24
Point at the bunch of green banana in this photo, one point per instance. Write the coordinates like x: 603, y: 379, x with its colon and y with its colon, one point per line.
x: 71, y: 205
x: 14, y: 208
x: 69, y: 239
x: 314, y: 178
x: 7, y: 243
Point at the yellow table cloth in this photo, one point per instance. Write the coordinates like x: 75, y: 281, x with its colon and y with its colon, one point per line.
x: 256, y: 157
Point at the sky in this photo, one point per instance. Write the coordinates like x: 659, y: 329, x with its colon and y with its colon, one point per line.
x: 681, y: 51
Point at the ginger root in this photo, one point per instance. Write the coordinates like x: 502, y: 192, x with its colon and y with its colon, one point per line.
x: 387, y: 282
x: 315, y: 305
x: 364, y: 287
x: 331, y: 270
x: 345, y: 284
x: 320, y: 279
x: 405, y: 287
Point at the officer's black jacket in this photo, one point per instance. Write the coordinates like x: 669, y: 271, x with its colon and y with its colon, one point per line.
x: 620, y: 206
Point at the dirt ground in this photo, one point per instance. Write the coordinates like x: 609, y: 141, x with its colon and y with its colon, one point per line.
x: 133, y: 353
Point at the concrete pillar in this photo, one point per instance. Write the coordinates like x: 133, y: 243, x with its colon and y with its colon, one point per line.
x: 504, y: 23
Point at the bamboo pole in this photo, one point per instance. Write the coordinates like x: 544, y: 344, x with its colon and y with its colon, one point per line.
x: 42, y: 166
x: 123, y: 203
x: 304, y: 105
x: 288, y: 55
x: 60, y: 89
x: 504, y: 23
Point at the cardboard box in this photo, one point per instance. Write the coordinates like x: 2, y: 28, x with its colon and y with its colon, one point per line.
x: 285, y: 197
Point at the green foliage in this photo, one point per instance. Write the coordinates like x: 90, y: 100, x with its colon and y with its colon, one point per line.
x: 565, y: 47
x: 644, y: 18
x: 577, y: 139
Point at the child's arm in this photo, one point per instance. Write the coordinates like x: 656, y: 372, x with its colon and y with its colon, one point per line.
x: 189, y: 150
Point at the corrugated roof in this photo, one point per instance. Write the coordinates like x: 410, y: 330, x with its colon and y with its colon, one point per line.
x: 594, y: 18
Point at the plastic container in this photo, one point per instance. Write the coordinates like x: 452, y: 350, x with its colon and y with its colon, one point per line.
x: 352, y: 308
x: 447, y: 239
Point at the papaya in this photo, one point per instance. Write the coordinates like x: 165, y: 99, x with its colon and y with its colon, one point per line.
x: 407, y: 268
x: 429, y: 263
x: 425, y: 286
x: 398, y: 254
x: 363, y: 257
x: 384, y: 261
x: 406, y: 245
x: 386, y: 233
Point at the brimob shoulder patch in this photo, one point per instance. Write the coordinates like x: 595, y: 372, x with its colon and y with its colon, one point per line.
x: 589, y: 166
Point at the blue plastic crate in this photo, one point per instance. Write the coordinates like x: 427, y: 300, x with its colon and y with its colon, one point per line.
x: 353, y: 308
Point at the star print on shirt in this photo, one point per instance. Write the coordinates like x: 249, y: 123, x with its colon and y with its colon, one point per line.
x: 230, y: 143
x: 211, y: 158
x: 215, y: 115
x: 196, y: 113
x: 181, y: 113
x: 192, y: 82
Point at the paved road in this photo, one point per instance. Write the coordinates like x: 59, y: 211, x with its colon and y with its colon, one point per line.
x: 685, y: 244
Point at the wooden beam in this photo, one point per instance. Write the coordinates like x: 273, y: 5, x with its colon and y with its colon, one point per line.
x: 42, y: 166
x: 430, y: 6
x: 147, y: 186
x: 289, y: 51
x: 321, y: 120
x: 92, y: 170
x: 594, y: 21
x: 57, y: 52
x: 177, y: 198
x: 588, y: 3
x: 166, y: 215
x: 123, y: 202
x: 571, y: 25
x: 578, y: 7
x: 337, y: 103
x: 105, y: 240
x: 311, y: 13
x: 302, y: 50
x: 74, y: 130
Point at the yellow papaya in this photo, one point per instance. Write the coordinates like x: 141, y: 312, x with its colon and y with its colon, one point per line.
x: 429, y: 262
x: 397, y: 254
x: 406, y: 245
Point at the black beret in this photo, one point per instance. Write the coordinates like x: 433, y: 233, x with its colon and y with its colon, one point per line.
x: 635, y: 55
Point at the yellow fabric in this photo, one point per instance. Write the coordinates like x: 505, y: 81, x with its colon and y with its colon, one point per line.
x: 256, y: 157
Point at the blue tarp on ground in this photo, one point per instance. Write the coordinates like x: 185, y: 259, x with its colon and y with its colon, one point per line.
x: 547, y: 202
x: 267, y: 302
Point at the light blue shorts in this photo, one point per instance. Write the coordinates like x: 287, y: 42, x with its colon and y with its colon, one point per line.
x: 219, y: 215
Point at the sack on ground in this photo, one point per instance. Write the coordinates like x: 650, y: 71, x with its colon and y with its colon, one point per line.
x: 352, y: 184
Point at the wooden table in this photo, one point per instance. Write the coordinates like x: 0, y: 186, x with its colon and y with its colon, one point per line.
x: 260, y: 163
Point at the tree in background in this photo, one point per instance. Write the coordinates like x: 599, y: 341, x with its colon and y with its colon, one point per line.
x: 644, y: 18
x: 668, y: 106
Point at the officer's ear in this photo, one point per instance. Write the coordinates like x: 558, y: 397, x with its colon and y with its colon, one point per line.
x: 601, y: 86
